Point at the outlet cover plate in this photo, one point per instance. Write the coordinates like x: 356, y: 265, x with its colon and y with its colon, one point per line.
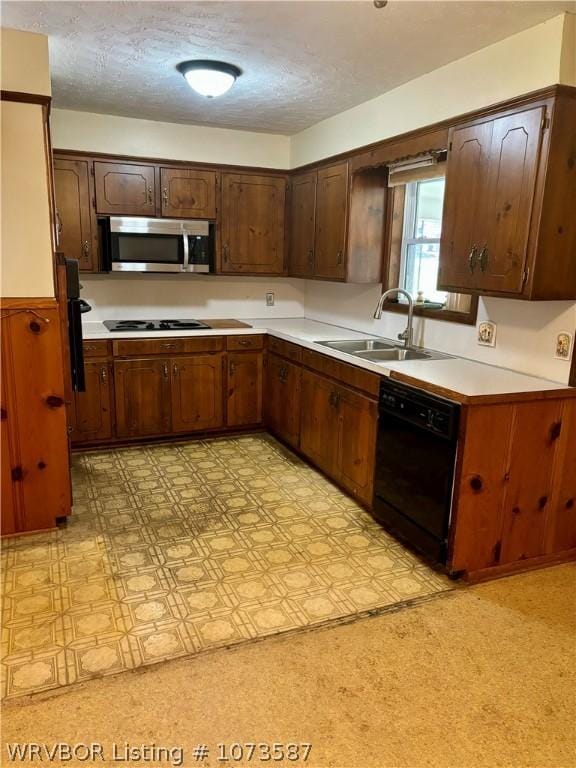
x: 563, y: 345
x: 270, y: 299
x: 487, y: 334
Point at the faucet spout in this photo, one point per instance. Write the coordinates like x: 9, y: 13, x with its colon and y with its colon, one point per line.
x: 407, y: 335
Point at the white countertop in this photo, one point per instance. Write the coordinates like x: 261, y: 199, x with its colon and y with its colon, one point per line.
x: 466, y: 377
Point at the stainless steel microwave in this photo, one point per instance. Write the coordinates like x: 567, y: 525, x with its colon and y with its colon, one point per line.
x: 134, y: 244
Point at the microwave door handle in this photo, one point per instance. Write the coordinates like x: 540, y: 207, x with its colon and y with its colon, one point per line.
x: 186, y: 265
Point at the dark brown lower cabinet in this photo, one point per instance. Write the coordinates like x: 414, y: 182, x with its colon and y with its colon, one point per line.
x: 282, y: 396
x: 142, y: 389
x: 338, y: 433
x: 91, y: 412
x: 197, y: 393
x: 244, y: 392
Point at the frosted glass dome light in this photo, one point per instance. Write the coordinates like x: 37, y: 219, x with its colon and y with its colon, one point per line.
x: 209, y: 78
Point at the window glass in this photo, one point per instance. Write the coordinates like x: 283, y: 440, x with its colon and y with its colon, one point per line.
x: 421, y: 241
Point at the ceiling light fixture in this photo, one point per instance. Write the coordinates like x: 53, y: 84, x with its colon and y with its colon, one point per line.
x: 209, y: 78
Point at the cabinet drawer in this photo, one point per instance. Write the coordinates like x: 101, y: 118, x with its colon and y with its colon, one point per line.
x: 285, y: 349
x: 347, y: 374
x: 244, y: 342
x: 96, y: 348
x: 129, y: 347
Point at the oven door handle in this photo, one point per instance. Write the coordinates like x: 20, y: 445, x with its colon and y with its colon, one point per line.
x: 186, y: 264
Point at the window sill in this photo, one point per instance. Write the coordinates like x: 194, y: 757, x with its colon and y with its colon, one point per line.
x: 447, y: 315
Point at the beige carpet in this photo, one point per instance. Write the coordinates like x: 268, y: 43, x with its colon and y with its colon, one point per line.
x: 176, y: 549
x: 475, y: 678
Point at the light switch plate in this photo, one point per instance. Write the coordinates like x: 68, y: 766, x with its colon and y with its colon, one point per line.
x: 487, y: 334
x: 270, y: 299
x: 563, y: 345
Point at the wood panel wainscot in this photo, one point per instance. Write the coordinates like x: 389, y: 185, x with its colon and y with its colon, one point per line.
x: 36, y: 489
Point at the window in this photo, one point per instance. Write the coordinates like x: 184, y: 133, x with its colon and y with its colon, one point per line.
x: 416, y: 199
x: 421, y: 239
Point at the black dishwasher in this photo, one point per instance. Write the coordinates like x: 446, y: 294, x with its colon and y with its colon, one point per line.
x: 415, y: 460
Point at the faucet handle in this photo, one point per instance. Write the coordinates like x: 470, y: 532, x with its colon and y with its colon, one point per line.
x: 404, y: 335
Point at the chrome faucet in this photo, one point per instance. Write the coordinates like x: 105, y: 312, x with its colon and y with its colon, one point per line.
x: 407, y: 334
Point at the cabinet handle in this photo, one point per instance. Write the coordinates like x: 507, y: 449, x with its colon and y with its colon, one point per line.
x: 244, y: 342
x: 483, y: 258
x: 165, y: 196
x: 165, y: 368
x: 86, y: 248
x: 232, y: 368
x: 472, y: 258
x: 339, y: 258
x: 58, y: 222
x: 167, y: 345
x: 175, y: 369
x: 103, y: 375
x: 225, y: 251
x: 311, y: 256
x: 150, y: 194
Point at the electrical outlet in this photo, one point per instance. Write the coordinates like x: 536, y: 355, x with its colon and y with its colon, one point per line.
x: 270, y: 299
x: 487, y: 334
x: 563, y: 345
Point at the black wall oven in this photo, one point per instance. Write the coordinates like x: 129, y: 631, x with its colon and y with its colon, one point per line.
x: 136, y: 244
x: 415, y: 461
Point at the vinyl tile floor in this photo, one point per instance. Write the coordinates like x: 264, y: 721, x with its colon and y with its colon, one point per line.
x: 176, y: 549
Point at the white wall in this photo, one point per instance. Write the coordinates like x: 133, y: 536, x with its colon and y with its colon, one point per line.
x: 524, y: 62
x: 25, y: 238
x: 526, y: 331
x: 192, y: 296
x: 85, y: 131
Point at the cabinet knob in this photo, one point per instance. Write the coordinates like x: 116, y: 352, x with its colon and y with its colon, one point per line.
x: 472, y: 256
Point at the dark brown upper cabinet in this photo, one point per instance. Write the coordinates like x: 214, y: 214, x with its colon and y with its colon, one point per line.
x: 187, y: 193
x: 337, y: 224
x: 252, y: 224
x: 75, y: 218
x: 124, y: 189
x: 509, y: 227
x: 302, y: 224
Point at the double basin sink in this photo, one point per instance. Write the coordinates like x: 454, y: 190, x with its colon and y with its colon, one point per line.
x: 380, y: 350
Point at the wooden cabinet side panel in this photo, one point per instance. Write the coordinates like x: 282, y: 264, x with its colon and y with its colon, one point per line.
x: 479, y: 495
x: 32, y: 354
x: 562, y: 520
x: 197, y: 393
x: 527, y: 506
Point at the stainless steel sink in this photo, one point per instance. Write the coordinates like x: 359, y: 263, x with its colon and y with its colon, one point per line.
x: 381, y: 350
x: 358, y: 345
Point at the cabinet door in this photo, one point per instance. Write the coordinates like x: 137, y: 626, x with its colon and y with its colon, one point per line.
x: 74, y: 213
x: 253, y: 224
x: 562, y: 529
x: 527, y: 504
x: 331, y: 212
x: 302, y: 224
x: 509, y: 193
x: 466, y: 175
x: 282, y: 402
x: 188, y: 194
x: 142, y: 389
x: 92, y: 410
x: 197, y: 393
x: 358, y: 419
x: 8, y: 506
x: 123, y: 189
x: 319, y: 422
x: 244, y: 401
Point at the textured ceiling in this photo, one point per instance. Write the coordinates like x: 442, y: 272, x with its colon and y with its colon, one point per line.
x: 302, y: 61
